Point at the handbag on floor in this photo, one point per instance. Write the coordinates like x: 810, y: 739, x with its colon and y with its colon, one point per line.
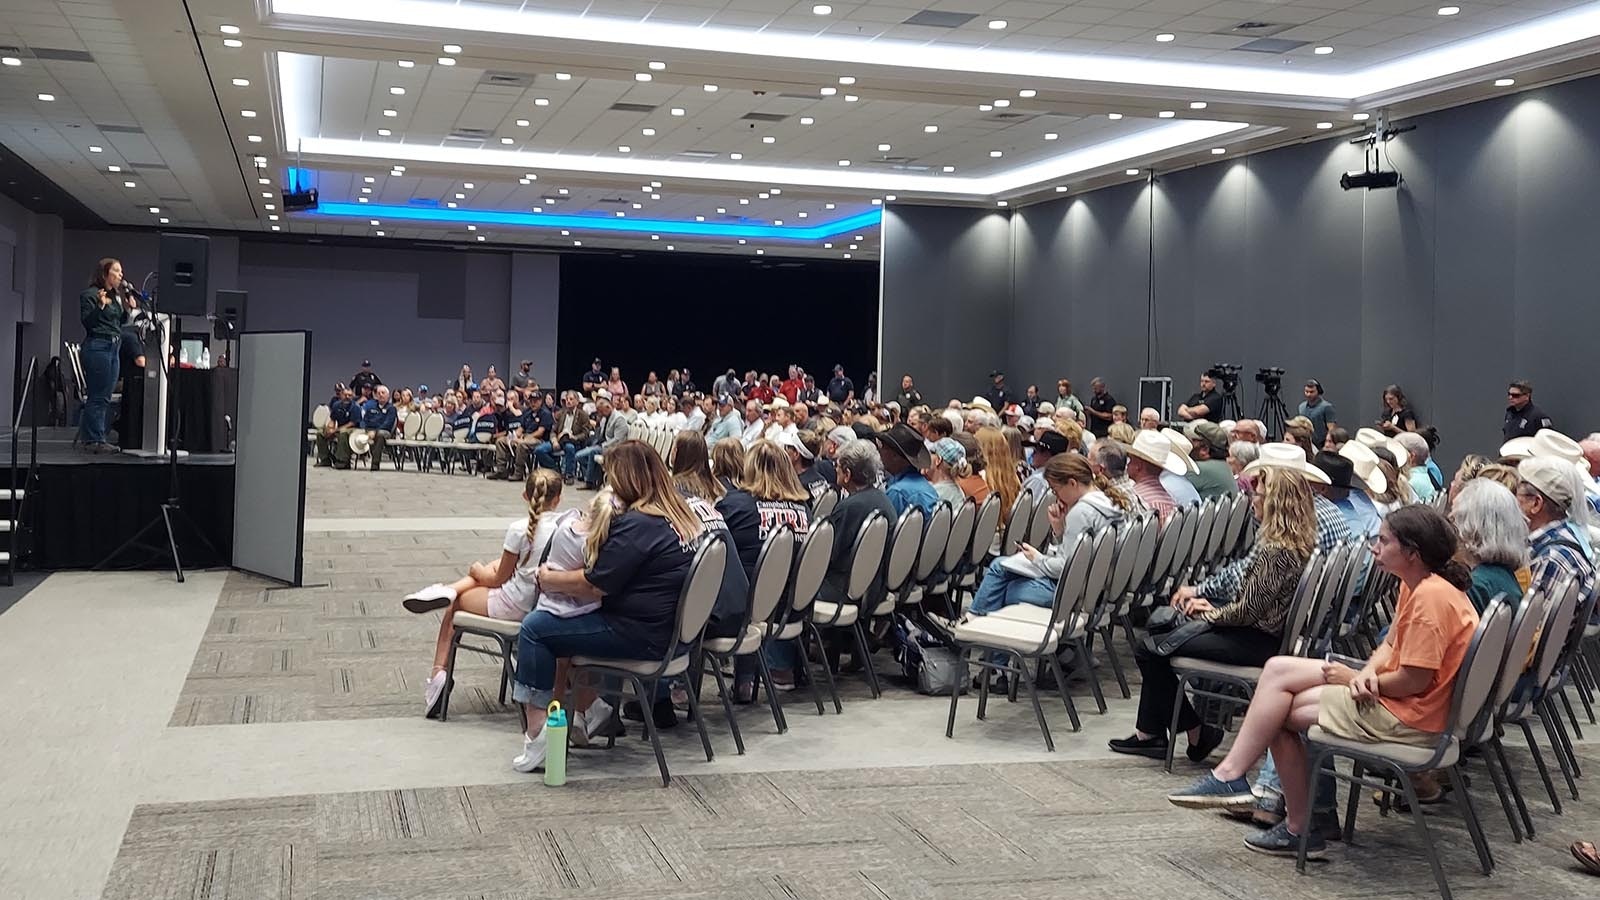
x: 926, y: 658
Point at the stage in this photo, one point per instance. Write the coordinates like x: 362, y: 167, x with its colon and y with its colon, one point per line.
x: 84, y: 506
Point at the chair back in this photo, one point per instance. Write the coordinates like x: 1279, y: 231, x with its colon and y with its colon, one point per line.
x: 903, y: 550
x: 1323, y: 599
x: 934, y: 540
x: 320, y: 416
x: 1583, y: 611
x: 1071, y: 587
x: 1039, y: 526
x: 1144, y: 560
x: 825, y: 504
x: 700, y: 589
x: 1219, y: 530
x: 1166, y: 547
x: 1129, y: 536
x: 866, y: 555
x: 1180, y: 551
x: 773, y: 566
x: 961, y: 531
x: 1553, y: 636
x: 1300, y: 606
x: 1524, y: 629
x: 1480, y: 668
x: 432, y: 427
x: 1017, y: 527
x: 810, y: 566
x: 1238, y: 515
x: 1206, y: 522
x: 984, y: 531
x: 1100, y: 565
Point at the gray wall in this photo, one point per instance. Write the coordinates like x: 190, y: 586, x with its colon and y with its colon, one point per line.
x: 30, y: 281
x: 1482, y: 267
x: 946, y: 298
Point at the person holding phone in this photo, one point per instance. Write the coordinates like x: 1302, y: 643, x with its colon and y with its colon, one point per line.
x: 103, y: 316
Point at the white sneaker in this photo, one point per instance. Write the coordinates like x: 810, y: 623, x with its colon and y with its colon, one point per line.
x: 533, y: 752
x: 596, y: 718
x: 430, y: 598
x: 433, y: 694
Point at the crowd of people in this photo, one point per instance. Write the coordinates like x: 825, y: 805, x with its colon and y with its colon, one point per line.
x: 756, y: 454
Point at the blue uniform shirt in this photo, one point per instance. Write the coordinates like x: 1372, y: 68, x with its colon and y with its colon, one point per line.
x: 343, y: 412
x: 378, y: 418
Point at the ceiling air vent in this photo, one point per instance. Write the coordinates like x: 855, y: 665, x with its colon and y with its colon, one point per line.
x: 611, y: 201
x: 468, y: 136
x: 506, y: 79
x: 148, y: 165
x: 698, y: 154
x: 935, y: 18
x: 62, y: 55
x: 120, y: 129
x: 1272, y: 46
x: 763, y: 117
x: 633, y: 107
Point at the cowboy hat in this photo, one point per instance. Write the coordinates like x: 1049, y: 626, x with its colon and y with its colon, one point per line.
x: 778, y: 402
x: 1279, y: 455
x: 1181, y: 446
x: 906, y: 442
x: 1157, y: 450
x: 1374, y: 439
x: 360, y: 443
x: 1339, y: 469
x: 1366, y: 466
x: 1547, y: 443
x: 981, y: 403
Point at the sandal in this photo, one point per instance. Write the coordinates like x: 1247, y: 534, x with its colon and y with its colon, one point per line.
x: 1585, y: 853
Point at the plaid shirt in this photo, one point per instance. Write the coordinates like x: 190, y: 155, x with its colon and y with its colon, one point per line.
x: 1331, y: 529
x: 1557, y: 553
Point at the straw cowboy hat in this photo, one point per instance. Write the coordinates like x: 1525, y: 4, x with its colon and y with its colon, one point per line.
x: 1286, y: 456
x: 1373, y: 438
x: 1157, y: 450
x: 1547, y: 443
x: 981, y: 403
x: 1366, y: 464
x: 1181, y: 446
x: 360, y: 443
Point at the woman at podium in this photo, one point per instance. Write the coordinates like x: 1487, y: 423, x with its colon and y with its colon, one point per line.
x: 102, y: 316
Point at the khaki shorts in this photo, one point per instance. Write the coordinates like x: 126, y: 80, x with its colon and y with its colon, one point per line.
x: 1368, y: 721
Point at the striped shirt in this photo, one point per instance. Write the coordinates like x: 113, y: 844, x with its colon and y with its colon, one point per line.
x: 1331, y: 530
x: 1155, y: 497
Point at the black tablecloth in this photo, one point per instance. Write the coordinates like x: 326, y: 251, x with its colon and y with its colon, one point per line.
x: 205, y: 398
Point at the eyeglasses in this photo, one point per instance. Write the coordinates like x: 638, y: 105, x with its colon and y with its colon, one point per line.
x: 1515, y: 395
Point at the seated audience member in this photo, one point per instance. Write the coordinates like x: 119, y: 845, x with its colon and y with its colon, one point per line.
x: 904, y: 456
x: 833, y: 439
x: 1551, y: 497
x: 571, y: 428
x: 652, y: 388
x: 504, y: 591
x: 1337, y: 438
x: 1148, y: 456
x: 464, y: 383
x: 1251, y: 430
x: 1078, y: 440
x: 947, y: 462
x: 491, y: 382
x: 1245, y: 632
x: 754, y: 425
x: 1083, y: 503
x: 728, y: 423
x: 1401, y: 695
x: 1300, y: 435
x: 333, y: 441
x: 457, y: 418
x: 1369, y: 480
x: 1360, y: 516
x: 859, y: 467
x: 512, y: 424
x: 610, y: 430
x: 1398, y: 489
x: 801, y: 450
x: 940, y: 426
x: 1149, y: 420
x: 1000, y: 470
x: 690, y: 464
x: 1047, y: 446
x: 727, y: 462
x: 1122, y: 433
x: 535, y: 446
x: 652, y: 414
x: 1493, y: 539
x: 1110, y: 458
x: 616, y: 385
x: 1209, y: 448
x: 1178, y: 485
x: 800, y: 415
x: 378, y: 417
x: 486, y: 427
x: 1119, y: 415
x: 1240, y: 455
x: 1416, y: 466
x: 766, y: 497
x: 1471, y: 465
x: 781, y: 423
x: 975, y: 486
x: 811, y: 395
x: 636, y: 569
x: 1205, y: 403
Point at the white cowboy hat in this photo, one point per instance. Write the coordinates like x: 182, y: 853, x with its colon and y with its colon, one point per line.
x: 1181, y: 446
x: 360, y: 443
x: 1547, y: 443
x: 1366, y: 464
x: 981, y: 403
x: 1157, y: 450
x: 1287, y: 456
x: 319, y: 417
x: 778, y: 402
x: 1373, y: 438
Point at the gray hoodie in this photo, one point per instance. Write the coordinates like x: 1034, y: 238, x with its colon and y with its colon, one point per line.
x: 1092, y: 512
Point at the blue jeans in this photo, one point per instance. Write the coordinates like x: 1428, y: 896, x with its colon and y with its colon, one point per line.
x: 546, y: 638
x: 1002, y: 587
x: 100, y: 365
x: 591, y: 469
x: 541, y: 457
x: 569, y: 458
x: 1268, y: 784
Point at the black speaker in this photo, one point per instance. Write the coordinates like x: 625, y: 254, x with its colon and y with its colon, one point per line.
x: 229, y: 314
x: 182, y: 288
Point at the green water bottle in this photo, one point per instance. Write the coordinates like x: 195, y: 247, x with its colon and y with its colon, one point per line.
x: 555, y: 758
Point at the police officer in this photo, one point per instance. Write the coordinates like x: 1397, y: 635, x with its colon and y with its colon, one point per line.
x: 1523, y: 417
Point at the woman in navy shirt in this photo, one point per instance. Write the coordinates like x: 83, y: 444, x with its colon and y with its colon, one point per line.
x: 639, y: 570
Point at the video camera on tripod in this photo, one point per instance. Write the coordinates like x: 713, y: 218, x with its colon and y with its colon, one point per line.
x: 1227, y: 375
x: 1271, y: 379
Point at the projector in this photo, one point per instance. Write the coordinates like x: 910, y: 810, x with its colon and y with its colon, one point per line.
x: 295, y: 201
x: 1369, y: 180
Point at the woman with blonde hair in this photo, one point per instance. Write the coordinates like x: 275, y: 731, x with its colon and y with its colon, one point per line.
x: 503, y: 591
x: 727, y: 462
x: 1398, y: 492
x: 1246, y: 632
x: 1123, y: 433
x: 1013, y: 437
x: 691, y: 467
x: 1001, y: 471
x: 638, y: 570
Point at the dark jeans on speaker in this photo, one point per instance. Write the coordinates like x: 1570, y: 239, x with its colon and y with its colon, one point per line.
x: 100, y: 364
x: 1236, y: 646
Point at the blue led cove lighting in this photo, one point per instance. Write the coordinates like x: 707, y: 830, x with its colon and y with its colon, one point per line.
x: 858, y: 222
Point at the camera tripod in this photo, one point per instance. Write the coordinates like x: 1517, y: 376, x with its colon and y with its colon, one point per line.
x: 1273, y: 414
x: 1230, y: 404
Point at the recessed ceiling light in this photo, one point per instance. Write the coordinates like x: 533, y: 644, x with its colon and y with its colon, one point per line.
x: 847, y: 256
x: 883, y: 148
x: 233, y: 42
x: 847, y: 79
x: 263, y: 181
x: 229, y: 29
x: 996, y: 154
x: 876, y: 201
x: 1061, y: 189
x: 1026, y: 93
x: 1323, y: 50
x: 164, y: 220
x: 760, y: 252
x: 1361, y: 117
x: 769, y: 139
x: 802, y: 215
x: 10, y: 61
x: 113, y: 168
x: 621, y: 214
x: 827, y: 206
x: 624, y: 149
x: 744, y: 201
x: 677, y: 110
x: 657, y: 66
x: 452, y: 48
x: 253, y: 138
x: 482, y: 238
x: 523, y: 123
x: 538, y: 209
x: 655, y: 237
x: 96, y: 148
x: 128, y: 184
x: 469, y: 227
x: 656, y: 184
x: 1166, y: 114
x: 467, y: 185
x: 807, y: 120
x: 642, y: 76
x: 563, y: 76
x: 378, y: 233
x: 985, y: 107
x: 397, y: 91
x: 446, y: 61
x: 460, y: 196
x: 710, y: 88
x: 655, y: 196
x: 822, y: 9
x: 743, y: 241
x: 889, y: 197
x: 541, y: 101
x: 1449, y: 10
x: 241, y: 82
x: 648, y: 132
x: 248, y: 113
x: 997, y: 203
x: 1130, y: 171
x: 851, y: 98
x: 829, y: 91
x: 1504, y: 82
x: 268, y: 207
x: 949, y: 168
x: 372, y: 222
x: 384, y: 132
x: 155, y: 209
x: 266, y: 195
x: 362, y: 200
x: 1197, y: 104
x: 736, y: 156
x: 1324, y: 125
x: 406, y: 63
x: 997, y: 24
x: 1113, y: 116
x: 844, y: 162
x: 1051, y: 135
x: 764, y: 196
x: 390, y: 113
x: 366, y: 190
x: 575, y: 243
x: 721, y: 210
x: 930, y: 129
x: 48, y: 98
x: 638, y: 206
x: 562, y: 191
x: 1166, y: 37
x: 1218, y: 151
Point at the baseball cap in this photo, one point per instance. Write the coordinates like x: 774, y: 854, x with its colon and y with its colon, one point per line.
x: 602, y: 394
x: 725, y: 400
x: 792, y: 442
x: 423, y: 388
x: 948, y: 450
x: 841, y: 434
x: 1207, y: 431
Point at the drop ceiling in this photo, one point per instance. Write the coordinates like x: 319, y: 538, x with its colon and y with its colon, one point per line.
x: 737, y: 127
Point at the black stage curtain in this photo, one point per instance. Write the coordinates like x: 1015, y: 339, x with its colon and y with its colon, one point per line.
x: 205, y: 396
x: 87, y: 511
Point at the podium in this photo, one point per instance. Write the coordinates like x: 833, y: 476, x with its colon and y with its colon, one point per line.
x: 157, y: 407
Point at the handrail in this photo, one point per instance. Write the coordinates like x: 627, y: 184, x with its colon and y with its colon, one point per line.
x: 23, y: 398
